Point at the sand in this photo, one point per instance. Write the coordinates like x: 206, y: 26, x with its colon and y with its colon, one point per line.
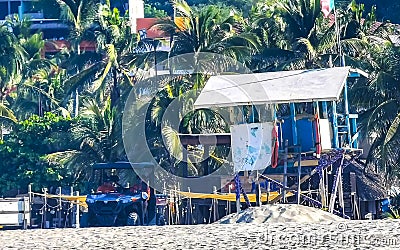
x: 335, y: 235
x: 280, y: 213
x: 268, y: 227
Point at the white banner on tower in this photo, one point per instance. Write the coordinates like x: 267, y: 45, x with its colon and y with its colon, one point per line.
x: 251, y: 146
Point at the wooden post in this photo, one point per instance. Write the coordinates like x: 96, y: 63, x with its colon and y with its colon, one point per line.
x: 171, y: 216
x: 281, y: 133
x: 346, y: 110
x: 228, y: 203
x: 353, y: 186
x: 177, y: 205
x: 325, y: 110
x: 309, y: 191
x: 354, y: 130
x: 71, y: 205
x: 77, y: 214
x: 293, y: 119
x: 237, y: 192
x: 215, y: 205
x: 45, y: 208
x: 30, y: 200
x: 322, y: 189
x: 25, y: 207
x: 60, y: 207
x: 326, y: 187
x: 335, y: 126
x: 285, y: 158
x: 299, y: 177
x: 190, y: 211
x: 340, y: 193
x: 268, y: 190
x: 317, y: 127
x: 336, y: 186
x: 185, y: 162
x: 258, y: 190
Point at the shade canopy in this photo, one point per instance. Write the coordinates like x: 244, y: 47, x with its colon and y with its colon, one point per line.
x: 273, y: 87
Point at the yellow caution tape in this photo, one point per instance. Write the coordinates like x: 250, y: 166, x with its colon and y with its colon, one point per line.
x: 232, y: 196
x: 80, y: 200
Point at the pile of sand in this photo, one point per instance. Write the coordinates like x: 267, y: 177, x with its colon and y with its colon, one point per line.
x: 279, y: 213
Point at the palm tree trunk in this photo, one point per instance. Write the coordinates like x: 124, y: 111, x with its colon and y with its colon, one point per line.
x: 1, y: 124
x: 115, y: 93
x: 76, y: 95
x: 40, y: 108
x: 76, y: 103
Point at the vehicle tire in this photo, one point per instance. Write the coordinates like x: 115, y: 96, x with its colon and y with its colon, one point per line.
x: 133, y: 219
x: 160, y: 220
x: 91, y: 221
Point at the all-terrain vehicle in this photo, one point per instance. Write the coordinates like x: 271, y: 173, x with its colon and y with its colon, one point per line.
x: 116, y: 209
x: 126, y: 205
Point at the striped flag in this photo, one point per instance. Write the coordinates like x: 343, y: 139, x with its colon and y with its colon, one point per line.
x: 327, y: 6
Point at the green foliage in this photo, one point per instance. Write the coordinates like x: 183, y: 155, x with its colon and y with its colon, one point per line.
x: 209, y: 28
x: 151, y: 11
x: 387, y: 10
x: 24, y: 150
x: 161, y: 5
x: 266, y: 35
x: 96, y: 137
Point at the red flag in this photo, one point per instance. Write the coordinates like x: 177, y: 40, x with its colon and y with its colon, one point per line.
x: 275, y: 149
x: 327, y: 6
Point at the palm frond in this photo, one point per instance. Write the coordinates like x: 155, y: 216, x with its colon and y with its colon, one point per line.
x: 6, y: 113
x: 173, y: 142
x: 393, y: 130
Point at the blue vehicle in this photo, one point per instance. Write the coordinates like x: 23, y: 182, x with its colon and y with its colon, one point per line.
x: 123, y: 205
x: 116, y: 209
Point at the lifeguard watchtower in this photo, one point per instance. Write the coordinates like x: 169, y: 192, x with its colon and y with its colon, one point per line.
x: 314, y: 135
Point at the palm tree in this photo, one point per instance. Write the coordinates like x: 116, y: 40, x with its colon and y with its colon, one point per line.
x: 368, y: 47
x: 176, y: 95
x: 378, y: 101
x: 96, y: 137
x: 361, y: 32
x: 79, y: 14
x: 114, y: 38
x: 32, y: 91
x: 12, y: 57
x: 295, y: 36
x: 212, y: 29
x: 35, y: 92
x: 208, y: 29
x: 105, y: 73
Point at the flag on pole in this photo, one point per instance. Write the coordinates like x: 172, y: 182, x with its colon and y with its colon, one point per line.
x: 327, y: 6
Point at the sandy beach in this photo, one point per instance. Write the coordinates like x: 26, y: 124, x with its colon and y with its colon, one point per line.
x: 383, y: 234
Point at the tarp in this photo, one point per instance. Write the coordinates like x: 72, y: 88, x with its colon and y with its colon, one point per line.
x: 273, y: 87
x: 251, y: 146
x: 232, y: 196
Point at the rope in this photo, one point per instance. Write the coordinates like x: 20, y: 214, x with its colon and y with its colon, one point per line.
x: 273, y: 181
x: 239, y: 189
x: 246, y: 198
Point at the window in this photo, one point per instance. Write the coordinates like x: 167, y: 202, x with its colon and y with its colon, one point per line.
x: 3, y: 10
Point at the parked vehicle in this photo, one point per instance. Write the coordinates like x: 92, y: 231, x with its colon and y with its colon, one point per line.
x: 125, y: 205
